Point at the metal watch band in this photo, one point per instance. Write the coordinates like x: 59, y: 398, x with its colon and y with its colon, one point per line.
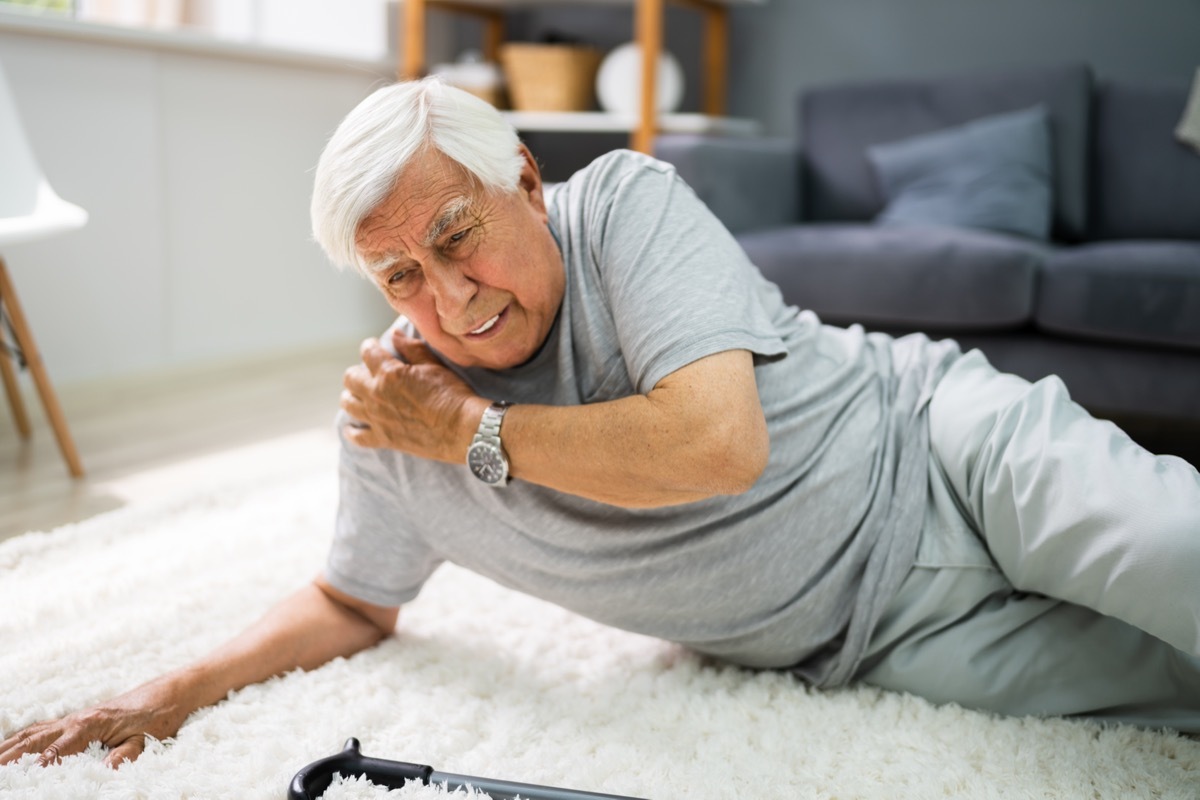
x: 489, y: 424
x: 485, y: 456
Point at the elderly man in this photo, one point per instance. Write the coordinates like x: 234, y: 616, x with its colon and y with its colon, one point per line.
x: 591, y: 396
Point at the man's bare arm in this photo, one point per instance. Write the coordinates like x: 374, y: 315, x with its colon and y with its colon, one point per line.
x: 316, y: 624
x: 699, y: 432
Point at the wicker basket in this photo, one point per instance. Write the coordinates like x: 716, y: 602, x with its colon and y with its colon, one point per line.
x: 550, y: 77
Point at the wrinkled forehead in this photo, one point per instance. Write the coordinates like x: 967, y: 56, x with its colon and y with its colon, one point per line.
x: 427, y: 195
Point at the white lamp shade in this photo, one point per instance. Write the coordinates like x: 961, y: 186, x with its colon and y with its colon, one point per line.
x: 619, y: 81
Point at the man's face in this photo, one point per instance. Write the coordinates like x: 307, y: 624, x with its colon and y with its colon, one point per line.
x: 478, y: 273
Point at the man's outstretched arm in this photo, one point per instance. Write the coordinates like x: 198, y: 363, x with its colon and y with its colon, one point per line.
x: 315, y: 625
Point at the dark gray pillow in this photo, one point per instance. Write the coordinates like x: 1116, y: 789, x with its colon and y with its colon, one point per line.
x: 991, y: 173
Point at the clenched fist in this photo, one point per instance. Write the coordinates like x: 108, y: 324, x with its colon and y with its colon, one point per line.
x: 413, y: 404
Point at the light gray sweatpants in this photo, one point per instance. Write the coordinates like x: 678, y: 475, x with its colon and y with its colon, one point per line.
x: 1058, y: 571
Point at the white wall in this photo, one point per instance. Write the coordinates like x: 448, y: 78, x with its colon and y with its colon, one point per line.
x: 196, y: 170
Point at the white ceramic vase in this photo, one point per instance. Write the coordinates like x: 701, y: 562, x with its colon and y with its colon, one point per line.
x: 619, y: 81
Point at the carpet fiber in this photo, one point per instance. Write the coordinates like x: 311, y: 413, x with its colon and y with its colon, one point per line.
x: 480, y: 681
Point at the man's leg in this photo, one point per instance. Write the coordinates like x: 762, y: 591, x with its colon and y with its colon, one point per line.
x: 1068, y: 505
x: 959, y: 632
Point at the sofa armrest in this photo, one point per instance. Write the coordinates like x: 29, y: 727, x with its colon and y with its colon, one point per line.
x: 748, y: 184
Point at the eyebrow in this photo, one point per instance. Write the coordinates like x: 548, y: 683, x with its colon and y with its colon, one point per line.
x: 380, y: 265
x: 451, y: 213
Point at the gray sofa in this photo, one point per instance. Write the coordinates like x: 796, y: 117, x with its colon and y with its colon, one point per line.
x: 1110, y: 301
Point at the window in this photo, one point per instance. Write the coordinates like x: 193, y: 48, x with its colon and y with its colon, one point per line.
x: 353, y: 28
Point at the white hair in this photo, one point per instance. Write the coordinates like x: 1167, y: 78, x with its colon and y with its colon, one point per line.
x: 366, y: 154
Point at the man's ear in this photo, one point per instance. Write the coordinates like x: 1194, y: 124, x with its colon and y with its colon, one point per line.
x: 530, y: 181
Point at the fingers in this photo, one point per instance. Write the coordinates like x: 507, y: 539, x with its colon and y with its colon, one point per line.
x: 414, y: 351
x: 364, y: 437
x: 129, y: 750
x: 350, y: 401
x: 32, y: 739
x: 352, y: 405
x: 51, y: 755
x: 51, y: 741
x: 376, y: 357
x: 119, y: 726
x: 74, y: 736
x: 364, y: 380
x: 373, y: 355
x: 357, y: 380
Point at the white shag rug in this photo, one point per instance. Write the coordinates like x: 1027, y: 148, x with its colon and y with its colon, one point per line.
x: 480, y: 681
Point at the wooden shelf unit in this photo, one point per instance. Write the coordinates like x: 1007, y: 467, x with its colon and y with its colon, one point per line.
x: 648, y: 30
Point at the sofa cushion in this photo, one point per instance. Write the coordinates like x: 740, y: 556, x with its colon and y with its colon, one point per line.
x: 929, y: 278
x: 991, y: 173
x: 1146, y: 183
x: 748, y: 182
x: 1147, y: 292
x: 1108, y: 378
x: 838, y: 124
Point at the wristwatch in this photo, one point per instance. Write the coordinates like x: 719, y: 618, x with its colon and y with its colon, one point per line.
x: 486, y: 456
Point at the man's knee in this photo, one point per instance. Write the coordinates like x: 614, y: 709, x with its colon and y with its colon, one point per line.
x: 972, y: 417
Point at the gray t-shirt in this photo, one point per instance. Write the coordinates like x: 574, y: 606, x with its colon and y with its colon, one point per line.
x: 791, y: 574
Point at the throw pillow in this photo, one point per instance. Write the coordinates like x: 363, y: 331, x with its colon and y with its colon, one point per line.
x: 1188, y: 130
x: 991, y: 173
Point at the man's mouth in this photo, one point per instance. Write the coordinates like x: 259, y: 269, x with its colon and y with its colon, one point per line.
x: 490, y: 326
x: 486, y: 326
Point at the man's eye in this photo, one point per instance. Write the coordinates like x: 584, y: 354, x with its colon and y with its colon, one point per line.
x: 404, y: 283
x: 458, y: 237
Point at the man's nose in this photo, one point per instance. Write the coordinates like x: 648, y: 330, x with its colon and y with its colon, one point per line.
x: 452, y: 290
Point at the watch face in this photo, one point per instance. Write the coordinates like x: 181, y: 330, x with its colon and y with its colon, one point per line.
x: 487, y: 463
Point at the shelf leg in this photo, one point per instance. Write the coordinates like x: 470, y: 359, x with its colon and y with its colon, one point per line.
x: 649, y: 30
x: 716, y: 59
x: 412, y: 34
x: 493, y: 37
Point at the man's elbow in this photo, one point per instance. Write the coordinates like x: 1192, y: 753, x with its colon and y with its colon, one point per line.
x: 737, y: 454
x: 380, y: 621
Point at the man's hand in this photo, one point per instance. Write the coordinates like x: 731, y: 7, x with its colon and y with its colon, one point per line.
x: 699, y: 432
x: 121, y: 724
x: 414, y: 405
x: 307, y: 629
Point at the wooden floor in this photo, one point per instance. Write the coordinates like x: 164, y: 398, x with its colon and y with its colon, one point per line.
x: 140, y: 437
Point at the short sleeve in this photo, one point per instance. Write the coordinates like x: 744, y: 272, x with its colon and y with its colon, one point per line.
x: 679, y: 285
x: 374, y: 556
